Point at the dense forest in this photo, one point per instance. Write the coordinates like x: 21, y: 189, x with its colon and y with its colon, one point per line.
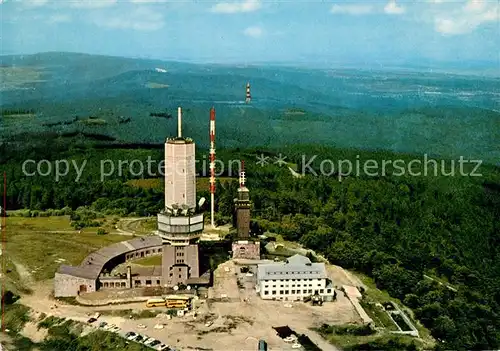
x: 395, y: 229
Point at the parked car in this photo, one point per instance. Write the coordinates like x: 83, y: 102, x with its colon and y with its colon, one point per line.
x: 138, y: 338
x: 132, y: 336
x: 103, y: 324
x: 149, y: 341
x: 154, y: 343
x: 91, y: 320
x: 115, y: 329
x: 161, y: 347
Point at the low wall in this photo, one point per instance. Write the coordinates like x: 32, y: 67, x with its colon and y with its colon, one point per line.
x: 103, y: 302
x: 361, y: 311
x: 144, y: 296
x: 413, y: 331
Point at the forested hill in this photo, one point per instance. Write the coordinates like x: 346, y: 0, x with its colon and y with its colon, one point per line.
x: 393, y: 228
x: 121, y: 99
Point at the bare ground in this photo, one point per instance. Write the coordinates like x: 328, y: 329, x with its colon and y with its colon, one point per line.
x: 237, y: 325
x: 340, y: 276
x: 32, y: 332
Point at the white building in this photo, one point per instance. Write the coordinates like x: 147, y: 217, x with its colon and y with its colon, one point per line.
x: 294, y: 279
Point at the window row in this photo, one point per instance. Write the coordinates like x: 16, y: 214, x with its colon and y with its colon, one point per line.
x: 286, y: 272
x: 293, y: 280
x: 295, y: 292
x: 319, y: 285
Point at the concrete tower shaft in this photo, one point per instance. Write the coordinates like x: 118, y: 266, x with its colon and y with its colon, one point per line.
x: 179, y: 225
x: 180, y: 173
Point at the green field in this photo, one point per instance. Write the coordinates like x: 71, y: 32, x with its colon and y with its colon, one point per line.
x: 42, y: 244
x: 15, y: 77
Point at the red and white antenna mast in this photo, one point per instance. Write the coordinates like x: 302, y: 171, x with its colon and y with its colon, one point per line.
x: 212, y: 166
x: 242, y: 174
x: 248, y: 96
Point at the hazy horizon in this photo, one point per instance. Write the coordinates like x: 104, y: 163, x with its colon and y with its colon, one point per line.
x: 486, y: 69
x: 431, y: 33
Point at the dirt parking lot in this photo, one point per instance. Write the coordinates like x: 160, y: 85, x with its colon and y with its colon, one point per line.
x: 236, y: 324
x: 243, y: 319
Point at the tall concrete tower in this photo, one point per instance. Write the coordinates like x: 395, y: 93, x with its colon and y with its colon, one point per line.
x: 179, y: 225
x: 248, y: 96
x: 243, y: 205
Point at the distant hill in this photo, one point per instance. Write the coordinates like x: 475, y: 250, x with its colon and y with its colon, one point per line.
x: 405, y: 111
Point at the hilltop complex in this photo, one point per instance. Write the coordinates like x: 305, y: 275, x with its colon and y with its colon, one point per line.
x: 180, y: 225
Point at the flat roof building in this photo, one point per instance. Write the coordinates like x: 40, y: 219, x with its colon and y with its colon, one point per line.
x: 295, y: 279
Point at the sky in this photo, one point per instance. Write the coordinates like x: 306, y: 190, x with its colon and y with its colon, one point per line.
x: 245, y: 31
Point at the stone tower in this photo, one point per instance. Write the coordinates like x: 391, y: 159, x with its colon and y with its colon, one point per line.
x: 242, y: 207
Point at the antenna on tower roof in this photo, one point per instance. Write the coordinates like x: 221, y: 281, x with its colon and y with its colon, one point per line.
x: 242, y: 174
x: 212, y: 166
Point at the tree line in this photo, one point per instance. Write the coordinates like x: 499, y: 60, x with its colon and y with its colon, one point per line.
x: 394, y: 229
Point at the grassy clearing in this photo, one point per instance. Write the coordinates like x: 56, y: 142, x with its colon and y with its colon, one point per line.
x: 149, y: 225
x: 11, y: 279
x: 149, y: 261
x: 49, y: 322
x: 379, y: 316
x: 373, y: 294
x: 38, y: 223
x: 153, y: 85
x: 376, y: 342
x: 36, y: 243
x: 356, y: 337
x: 16, y: 316
x: 141, y: 226
x: 13, y: 77
x: 9, y: 271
